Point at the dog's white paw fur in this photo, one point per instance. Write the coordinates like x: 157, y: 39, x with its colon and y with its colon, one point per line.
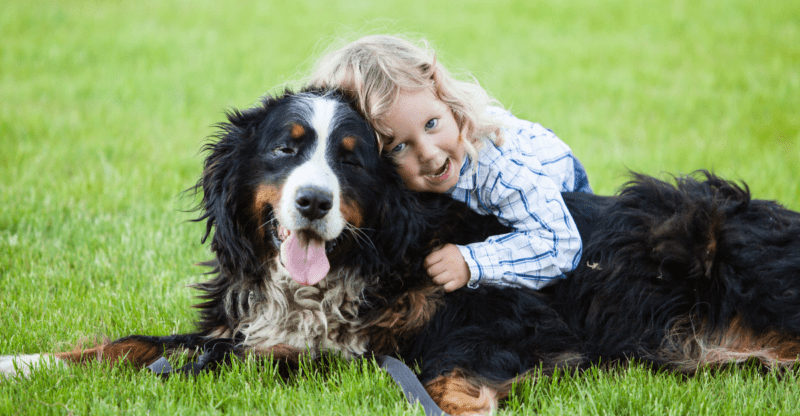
x: 12, y: 365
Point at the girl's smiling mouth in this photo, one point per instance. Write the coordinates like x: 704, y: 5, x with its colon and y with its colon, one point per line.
x: 443, y: 173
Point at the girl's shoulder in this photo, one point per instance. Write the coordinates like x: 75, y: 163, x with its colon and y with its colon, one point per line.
x: 524, y: 140
x: 503, y: 117
x: 512, y: 125
x: 520, y: 133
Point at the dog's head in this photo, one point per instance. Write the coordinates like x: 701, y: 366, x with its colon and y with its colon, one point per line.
x: 295, y: 180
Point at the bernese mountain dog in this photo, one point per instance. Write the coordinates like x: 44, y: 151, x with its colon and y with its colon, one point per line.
x: 318, y: 250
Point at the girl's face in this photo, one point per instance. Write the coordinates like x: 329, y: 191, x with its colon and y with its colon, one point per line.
x: 427, y: 144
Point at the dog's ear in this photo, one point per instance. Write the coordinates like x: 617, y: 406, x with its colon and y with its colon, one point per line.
x: 222, y: 182
x: 402, y: 217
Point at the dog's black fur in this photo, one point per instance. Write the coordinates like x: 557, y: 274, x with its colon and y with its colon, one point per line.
x: 677, y: 275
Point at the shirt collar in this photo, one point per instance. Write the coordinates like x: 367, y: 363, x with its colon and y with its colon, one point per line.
x: 466, y: 177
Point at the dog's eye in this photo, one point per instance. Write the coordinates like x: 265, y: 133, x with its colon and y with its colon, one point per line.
x: 351, y: 162
x: 284, y: 151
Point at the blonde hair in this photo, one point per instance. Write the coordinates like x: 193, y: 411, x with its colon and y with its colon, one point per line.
x: 375, y: 69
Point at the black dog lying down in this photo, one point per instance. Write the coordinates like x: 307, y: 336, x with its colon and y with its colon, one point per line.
x: 319, y: 250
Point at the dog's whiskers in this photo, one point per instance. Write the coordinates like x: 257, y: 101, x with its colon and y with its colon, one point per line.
x: 267, y: 223
x: 359, y: 235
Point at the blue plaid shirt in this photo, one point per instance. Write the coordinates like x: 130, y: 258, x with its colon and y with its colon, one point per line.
x: 520, y: 183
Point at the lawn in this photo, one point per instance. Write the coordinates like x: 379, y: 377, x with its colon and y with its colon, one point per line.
x: 104, y: 107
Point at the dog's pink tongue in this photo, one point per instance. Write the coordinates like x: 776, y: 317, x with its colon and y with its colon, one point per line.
x: 304, y: 259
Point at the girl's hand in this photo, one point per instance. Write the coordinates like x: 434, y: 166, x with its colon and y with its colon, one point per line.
x: 447, y: 267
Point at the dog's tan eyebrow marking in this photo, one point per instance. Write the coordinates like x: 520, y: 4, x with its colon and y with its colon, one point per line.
x: 297, y: 131
x: 349, y: 143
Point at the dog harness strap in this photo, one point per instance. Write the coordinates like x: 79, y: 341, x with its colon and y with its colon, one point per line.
x: 402, y: 375
x: 214, y: 351
x: 160, y: 367
x: 408, y: 381
x: 163, y: 369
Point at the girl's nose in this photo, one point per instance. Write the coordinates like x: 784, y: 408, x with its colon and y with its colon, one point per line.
x: 427, y: 152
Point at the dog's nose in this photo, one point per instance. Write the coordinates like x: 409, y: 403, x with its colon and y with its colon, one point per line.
x: 313, y: 203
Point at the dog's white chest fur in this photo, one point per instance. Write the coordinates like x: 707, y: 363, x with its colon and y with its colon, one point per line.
x: 323, y: 317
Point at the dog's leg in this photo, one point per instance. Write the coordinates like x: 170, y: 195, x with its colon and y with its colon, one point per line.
x: 403, y: 318
x: 458, y: 394
x: 689, y: 349
x: 280, y: 352
x: 138, y: 350
x: 285, y: 357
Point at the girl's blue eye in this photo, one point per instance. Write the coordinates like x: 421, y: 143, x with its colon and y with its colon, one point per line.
x: 432, y: 123
x: 398, y: 148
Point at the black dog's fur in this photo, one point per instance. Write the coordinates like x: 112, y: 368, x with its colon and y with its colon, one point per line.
x: 678, y: 275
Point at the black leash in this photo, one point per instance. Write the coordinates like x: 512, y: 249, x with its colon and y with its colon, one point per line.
x: 214, y: 351
x: 408, y: 381
x: 217, y: 349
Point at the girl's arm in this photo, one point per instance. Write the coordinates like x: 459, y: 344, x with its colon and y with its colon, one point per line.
x: 512, y: 184
x: 545, y: 244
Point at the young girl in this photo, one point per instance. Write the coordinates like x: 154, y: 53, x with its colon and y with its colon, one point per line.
x: 446, y: 137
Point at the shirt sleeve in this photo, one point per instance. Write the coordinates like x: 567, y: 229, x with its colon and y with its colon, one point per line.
x: 545, y: 242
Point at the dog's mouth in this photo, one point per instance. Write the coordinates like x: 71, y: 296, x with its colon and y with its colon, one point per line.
x: 304, y: 255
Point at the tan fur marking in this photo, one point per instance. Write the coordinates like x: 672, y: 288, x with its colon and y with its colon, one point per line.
x: 351, y: 213
x: 692, y: 348
x: 457, y: 395
x: 140, y: 354
x: 267, y: 194
x: 297, y: 131
x: 404, y: 318
x: 349, y: 143
x: 280, y: 352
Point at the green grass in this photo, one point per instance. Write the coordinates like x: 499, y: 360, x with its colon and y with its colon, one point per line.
x: 104, y: 107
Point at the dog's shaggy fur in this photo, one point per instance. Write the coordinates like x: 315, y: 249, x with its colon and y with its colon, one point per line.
x: 680, y: 275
